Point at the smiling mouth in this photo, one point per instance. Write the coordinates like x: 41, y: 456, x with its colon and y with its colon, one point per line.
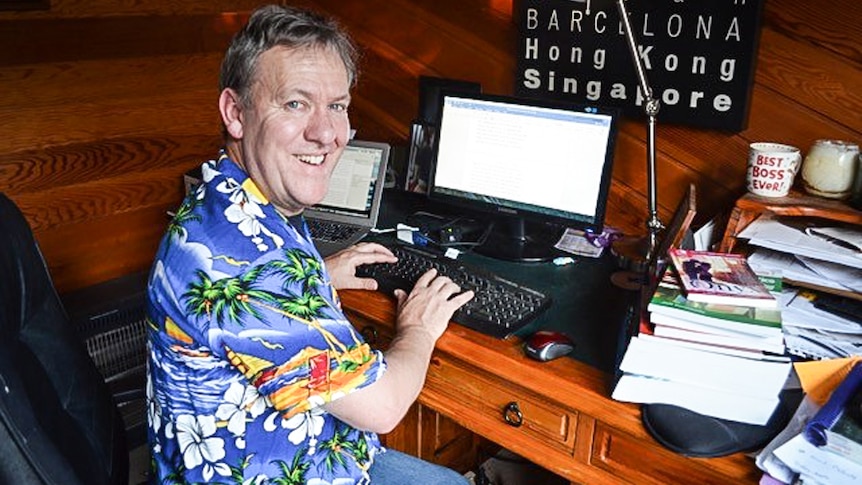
x: 311, y: 159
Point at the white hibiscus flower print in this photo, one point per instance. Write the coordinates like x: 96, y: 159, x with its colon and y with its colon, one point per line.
x: 241, y: 402
x: 246, y: 213
x: 199, y: 446
x: 154, y: 413
x: 304, y: 426
x: 208, y: 172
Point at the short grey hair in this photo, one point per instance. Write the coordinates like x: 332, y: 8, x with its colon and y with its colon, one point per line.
x: 276, y: 25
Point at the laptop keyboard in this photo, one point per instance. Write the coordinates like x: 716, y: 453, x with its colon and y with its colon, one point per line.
x: 499, y: 308
x: 331, y: 231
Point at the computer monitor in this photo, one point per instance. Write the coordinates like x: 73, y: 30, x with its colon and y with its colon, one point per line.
x: 532, y: 167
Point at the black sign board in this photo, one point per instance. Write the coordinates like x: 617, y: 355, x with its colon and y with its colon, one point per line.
x: 699, y: 56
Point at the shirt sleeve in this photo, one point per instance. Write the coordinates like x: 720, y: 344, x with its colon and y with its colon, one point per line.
x: 289, y: 337
x: 308, y: 364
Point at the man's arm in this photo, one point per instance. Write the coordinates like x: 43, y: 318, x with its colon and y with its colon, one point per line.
x: 422, y: 318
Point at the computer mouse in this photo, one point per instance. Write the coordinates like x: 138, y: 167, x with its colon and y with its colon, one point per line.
x: 545, y: 345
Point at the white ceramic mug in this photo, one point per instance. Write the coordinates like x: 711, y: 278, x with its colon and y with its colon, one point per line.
x: 772, y: 168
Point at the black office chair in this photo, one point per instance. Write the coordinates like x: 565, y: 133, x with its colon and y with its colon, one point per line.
x: 59, y: 423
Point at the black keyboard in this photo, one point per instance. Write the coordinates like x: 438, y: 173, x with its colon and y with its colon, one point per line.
x: 499, y: 308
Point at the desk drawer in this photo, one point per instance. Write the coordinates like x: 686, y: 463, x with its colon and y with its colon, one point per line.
x: 639, y: 461
x: 474, y: 394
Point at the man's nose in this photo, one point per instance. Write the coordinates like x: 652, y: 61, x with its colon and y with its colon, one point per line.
x: 323, y: 127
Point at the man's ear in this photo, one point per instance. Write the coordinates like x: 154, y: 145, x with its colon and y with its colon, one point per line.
x: 230, y: 108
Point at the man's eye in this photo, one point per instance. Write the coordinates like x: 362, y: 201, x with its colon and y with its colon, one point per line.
x: 340, y: 108
x: 293, y: 105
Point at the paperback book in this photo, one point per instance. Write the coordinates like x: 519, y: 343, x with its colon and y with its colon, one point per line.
x: 730, y: 385
x: 672, y: 328
x: 669, y: 299
x: 723, y: 278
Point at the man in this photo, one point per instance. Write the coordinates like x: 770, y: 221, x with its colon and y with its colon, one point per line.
x: 255, y: 375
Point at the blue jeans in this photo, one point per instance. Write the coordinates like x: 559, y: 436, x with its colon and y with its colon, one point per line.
x: 396, y: 468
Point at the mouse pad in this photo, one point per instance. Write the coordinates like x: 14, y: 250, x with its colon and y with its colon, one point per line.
x: 692, y: 434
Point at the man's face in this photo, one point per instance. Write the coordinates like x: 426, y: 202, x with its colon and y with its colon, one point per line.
x: 292, y: 135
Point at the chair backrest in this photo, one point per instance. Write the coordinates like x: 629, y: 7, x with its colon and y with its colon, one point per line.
x: 58, y: 421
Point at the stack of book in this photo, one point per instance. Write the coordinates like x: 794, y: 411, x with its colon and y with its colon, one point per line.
x: 747, y: 324
x: 714, y: 341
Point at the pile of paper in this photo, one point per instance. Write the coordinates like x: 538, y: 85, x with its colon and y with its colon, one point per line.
x: 817, y: 255
x: 789, y: 237
x: 822, y: 444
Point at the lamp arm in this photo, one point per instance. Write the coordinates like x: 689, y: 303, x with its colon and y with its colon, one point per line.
x: 651, y: 108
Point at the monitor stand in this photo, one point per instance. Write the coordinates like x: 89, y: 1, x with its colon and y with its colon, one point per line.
x: 514, y: 239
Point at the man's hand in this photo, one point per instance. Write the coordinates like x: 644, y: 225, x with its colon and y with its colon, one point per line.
x: 429, y: 305
x: 342, y: 265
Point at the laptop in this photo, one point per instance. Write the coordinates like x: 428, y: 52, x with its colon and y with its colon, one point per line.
x: 350, y: 209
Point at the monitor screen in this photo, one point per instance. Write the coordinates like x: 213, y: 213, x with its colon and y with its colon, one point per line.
x: 537, y: 166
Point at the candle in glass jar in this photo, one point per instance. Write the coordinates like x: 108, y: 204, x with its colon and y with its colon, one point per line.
x: 829, y: 168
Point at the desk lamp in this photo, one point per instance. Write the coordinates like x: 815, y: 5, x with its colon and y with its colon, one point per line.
x: 651, y: 108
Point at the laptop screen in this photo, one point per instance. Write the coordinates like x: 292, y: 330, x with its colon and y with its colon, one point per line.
x: 356, y: 183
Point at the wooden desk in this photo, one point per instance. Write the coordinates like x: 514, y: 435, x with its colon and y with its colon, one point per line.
x: 568, y: 422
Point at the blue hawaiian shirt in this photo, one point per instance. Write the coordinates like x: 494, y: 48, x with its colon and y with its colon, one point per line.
x: 247, y: 342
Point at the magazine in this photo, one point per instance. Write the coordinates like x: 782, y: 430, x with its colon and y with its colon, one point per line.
x: 723, y: 278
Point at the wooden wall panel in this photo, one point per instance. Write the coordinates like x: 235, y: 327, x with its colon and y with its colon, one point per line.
x: 70, y: 184
x: 116, y: 8
x: 107, y: 103
x: 58, y: 103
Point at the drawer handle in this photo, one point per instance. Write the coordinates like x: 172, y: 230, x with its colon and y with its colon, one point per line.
x: 369, y: 333
x: 513, y: 415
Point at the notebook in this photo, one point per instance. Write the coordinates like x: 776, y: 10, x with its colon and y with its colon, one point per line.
x: 350, y: 209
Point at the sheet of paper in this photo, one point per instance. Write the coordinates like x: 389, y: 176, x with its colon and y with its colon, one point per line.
x: 846, y: 234
x: 849, y: 278
x: 801, y: 312
x: 806, y: 270
x: 766, y: 459
x: 770, y: 233
x: 575, y: 242
x: 822, y: 466
x: 703, y: 237
x: 813, y: 344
